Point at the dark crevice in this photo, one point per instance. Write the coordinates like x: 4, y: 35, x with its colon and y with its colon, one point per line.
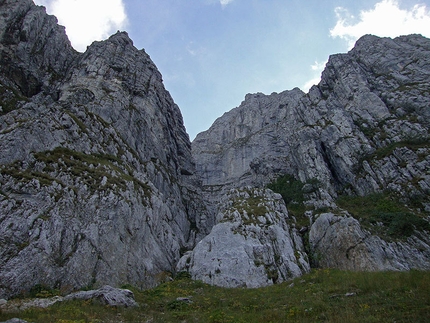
x: 329, y: 164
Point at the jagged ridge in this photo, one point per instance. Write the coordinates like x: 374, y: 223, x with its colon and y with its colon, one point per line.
x: 362, y: 130
x: 95, y: 163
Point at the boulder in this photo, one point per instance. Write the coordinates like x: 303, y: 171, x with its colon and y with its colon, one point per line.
x: 340, y: 242
x: 106, y: 295
x: 251, y: 246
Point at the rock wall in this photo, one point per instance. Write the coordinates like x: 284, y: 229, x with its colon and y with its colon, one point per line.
x: 100, y: 184
x: 96, y: 168
x: 362, y: 130
x: 372, y: 98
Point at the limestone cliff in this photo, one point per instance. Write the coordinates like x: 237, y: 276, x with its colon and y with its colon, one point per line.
x: 361, y: 134
x: 96, y: 168
x: 99, y: 183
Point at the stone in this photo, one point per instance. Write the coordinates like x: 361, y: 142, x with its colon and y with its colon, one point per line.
x: 187, y: 300
x: 251, y: 246
x: 340, y: 242
x: 106, y: 295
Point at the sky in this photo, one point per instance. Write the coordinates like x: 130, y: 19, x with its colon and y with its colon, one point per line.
x: 211, y: 53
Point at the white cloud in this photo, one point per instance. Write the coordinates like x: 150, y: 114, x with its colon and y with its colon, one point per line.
x: 309, y: 83
x: 317, y: 69
x: 386, y: 19
x: 87, y: 20
x: 225, y: 2
x: 318, y: 66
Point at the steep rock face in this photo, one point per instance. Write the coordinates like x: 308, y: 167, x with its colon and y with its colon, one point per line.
x: 226, y: 151
x: 371, y: 98
x: 34, y: 51
x: 96, y: 168
x: 98, y: 183
x: 250, y: 246
x: 363, y: 130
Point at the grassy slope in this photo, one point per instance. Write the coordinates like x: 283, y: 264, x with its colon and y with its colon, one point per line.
x: 320, y: 296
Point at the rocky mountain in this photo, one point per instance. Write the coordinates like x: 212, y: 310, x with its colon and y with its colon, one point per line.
x: 99, y: 183
x: 95, y: 162
x: 358, y: 146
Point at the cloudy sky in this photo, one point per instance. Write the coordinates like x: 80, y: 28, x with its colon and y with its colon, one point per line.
x: 211, y: 53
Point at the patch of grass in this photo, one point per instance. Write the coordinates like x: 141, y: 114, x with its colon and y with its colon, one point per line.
x: 80, y: 124
x: 90, y: 167
x: 27, y: 175
x: 320, y: 296
x: 413, y: 144
x: 41, y: 291
x: 10, y: 99
x: 384, y: 215
x: 254, y: 207
x: 293, y: 193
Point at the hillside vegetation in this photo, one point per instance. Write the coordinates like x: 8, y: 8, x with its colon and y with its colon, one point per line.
x: 320, y: 296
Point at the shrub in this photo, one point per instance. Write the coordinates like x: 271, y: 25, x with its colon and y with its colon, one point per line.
x: 398, y: 222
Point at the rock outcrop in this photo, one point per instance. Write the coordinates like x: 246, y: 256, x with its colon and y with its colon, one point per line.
x: 341, y: 242
x: 363, y: 130
x: 99, y: 183
x: 96, y: 167
x: 250, y: 246
x: 106, y: 295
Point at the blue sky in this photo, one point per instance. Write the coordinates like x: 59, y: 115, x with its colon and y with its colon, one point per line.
x: 211, y: 53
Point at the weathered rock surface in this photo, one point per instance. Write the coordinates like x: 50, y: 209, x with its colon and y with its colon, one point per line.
x: 340, y: 242
x: 251, y: 246
x: 96, y: 184
x: 15, y: 320
x: 373, y: 98
x: 99, y: 183
x: 106, y: 295
x: 362, y: 130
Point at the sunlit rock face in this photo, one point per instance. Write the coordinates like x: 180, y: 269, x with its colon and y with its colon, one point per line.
x: 251, y: 245
x: 96, y: 168
x: 99, y: 183
x: 363, y: 130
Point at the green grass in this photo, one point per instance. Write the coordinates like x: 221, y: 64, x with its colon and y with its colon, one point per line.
x: 292, y: 192
x: 10, y: 99
x: 79, y: 163
x: 320, y: 296
x: 384, y: 215
x: 413, y: 144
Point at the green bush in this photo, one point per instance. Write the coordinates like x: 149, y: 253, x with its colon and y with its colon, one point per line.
x: 398, y: 222
x: 294, y: 193
x: 290, y: 188
x: 41, y: 291
x: 401, y: 224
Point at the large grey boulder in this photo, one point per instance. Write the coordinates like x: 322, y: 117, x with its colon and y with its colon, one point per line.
x: 341, y: 242
x: 251, y: 246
